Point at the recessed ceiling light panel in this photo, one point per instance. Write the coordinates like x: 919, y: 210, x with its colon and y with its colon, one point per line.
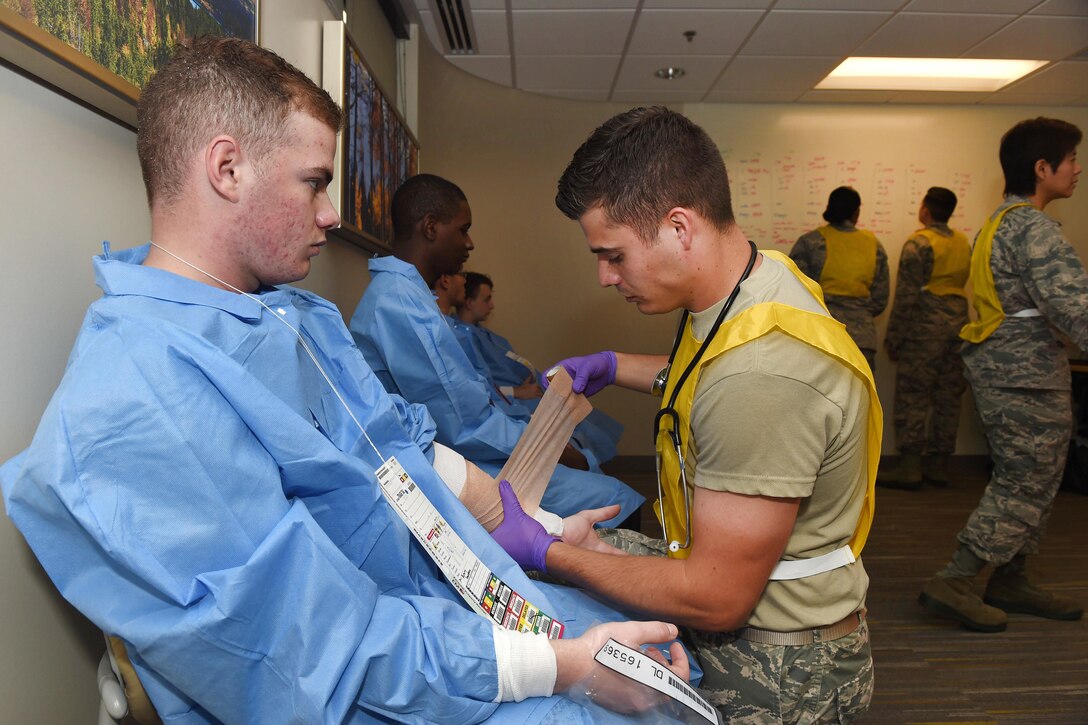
x: 670, y: 73
x: 927, y: 74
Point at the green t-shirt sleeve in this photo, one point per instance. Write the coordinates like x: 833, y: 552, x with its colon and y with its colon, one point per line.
x: 757, y: 431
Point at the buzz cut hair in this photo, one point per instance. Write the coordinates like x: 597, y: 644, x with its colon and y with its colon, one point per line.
x: 214, y: 86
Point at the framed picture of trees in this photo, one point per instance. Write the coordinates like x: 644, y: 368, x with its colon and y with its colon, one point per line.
x: 376, y: 149
x: 102, y: 52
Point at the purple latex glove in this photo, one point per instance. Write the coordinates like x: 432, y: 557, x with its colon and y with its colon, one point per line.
x: 522, y: 536
x: 590, y: 373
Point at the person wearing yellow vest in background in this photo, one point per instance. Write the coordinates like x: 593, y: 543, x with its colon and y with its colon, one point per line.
x: 851, y: 266
x: 924, y: 339
x: 768, y: 445
x: 1030, y: 289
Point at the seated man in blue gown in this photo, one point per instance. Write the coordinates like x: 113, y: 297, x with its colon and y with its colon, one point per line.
x: 515, y: 376
x: 409, y: 346
x: 204, y: 482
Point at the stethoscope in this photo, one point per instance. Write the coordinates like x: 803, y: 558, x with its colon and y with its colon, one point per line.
x: 670, y: 412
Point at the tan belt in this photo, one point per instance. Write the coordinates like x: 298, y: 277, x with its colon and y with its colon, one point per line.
x: 843, y: 627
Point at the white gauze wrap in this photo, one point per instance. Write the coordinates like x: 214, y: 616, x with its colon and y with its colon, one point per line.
x: 526, y: 665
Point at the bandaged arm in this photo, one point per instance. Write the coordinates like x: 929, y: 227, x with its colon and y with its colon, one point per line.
x: 479, y: 491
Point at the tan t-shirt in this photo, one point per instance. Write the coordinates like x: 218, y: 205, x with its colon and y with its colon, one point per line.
x: 778, y: 417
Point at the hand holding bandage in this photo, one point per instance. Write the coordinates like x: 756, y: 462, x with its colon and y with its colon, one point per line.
x: 522, y: 536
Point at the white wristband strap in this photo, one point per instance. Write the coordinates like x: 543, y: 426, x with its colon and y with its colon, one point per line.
x: 451, y: 467
x: 507, y: 390
x: 525, y: 663
x: 551, y: 522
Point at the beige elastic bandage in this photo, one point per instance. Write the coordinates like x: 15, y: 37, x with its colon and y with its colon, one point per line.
x: 535, y: 456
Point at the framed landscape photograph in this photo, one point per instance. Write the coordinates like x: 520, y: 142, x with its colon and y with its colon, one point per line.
x: 103, y: 52
x: 377, y: 151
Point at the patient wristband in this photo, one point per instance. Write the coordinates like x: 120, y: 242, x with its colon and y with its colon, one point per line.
x: 450, y: 467
x: 551, y: 522
x: 526, y: 666
x: 482, y: 590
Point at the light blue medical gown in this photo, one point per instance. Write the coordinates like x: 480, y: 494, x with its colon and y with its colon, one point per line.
x: 195, y: 488
x: 598, y: 434
x: 412, y: 350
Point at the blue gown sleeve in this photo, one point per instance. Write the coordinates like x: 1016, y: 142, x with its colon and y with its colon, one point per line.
x: 428, y: 366
x: 157, y: 511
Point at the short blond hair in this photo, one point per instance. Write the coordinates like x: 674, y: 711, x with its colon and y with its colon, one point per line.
x: 215, y: 86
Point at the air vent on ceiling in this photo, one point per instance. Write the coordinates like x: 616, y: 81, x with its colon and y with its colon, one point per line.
x: 454, y: 19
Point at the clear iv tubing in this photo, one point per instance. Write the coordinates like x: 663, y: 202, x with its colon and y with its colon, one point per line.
x: 298, y: 334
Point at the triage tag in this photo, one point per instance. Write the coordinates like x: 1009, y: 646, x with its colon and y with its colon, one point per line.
x: 640, y: 667
x: 484, y: 591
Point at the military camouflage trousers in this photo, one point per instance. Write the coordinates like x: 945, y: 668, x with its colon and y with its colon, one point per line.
x: 1028, y: 431
x: 754, y: 684
x: 929, y: 383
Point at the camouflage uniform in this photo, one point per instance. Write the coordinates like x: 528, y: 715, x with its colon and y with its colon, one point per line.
x: 1021, y: 382
x: 752, y: 683
x: 810, y: 253
x: 923, y: 332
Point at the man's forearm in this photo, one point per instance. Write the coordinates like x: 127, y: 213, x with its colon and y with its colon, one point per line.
x: 637, y: 372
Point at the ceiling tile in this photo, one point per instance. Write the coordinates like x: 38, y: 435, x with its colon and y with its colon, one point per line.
x: 656, y: 97
x: 494, y: 68
x: 717, y: 32
x: 431, y: 31
x: 575, y: 95
x: 812, y: 33
x: 846, y: 97
x: 1069, y: 77
x: 584, y: 72
x: 568, y: 32
x: 775, y: 74
x: 932, y: 35
x: 573, y: 4
x: 637, y: 73
x: 491, y: 36
x: 1035, y: 37
x: 484, y: 4
x: 996, y: 7
x: 1073, y: 8
x: 838, y: 4
x: 1010, y: 98
x: 753, y: 96
x: 950, y: 98
x: 705, y: 4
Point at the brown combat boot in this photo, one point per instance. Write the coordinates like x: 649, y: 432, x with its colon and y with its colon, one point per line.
x: 954, y: 597
x: 1010, y: 589
x: 905, y: 475
x: 935, y: 470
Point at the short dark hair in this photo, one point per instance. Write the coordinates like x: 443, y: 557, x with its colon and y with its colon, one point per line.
x: 641, y: 163
x: 1049, y: 139
x: 940, y: 202
x: 473, y: 282
x: 842, y: 204
x: 419, y: 196
x: 217, y: 85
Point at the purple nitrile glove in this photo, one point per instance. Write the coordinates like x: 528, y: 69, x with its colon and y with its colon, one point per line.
x: 522, y: 536
x: 590, y: 373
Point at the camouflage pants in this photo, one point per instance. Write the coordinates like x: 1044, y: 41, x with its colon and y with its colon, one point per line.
x: 754, y: 684
x: 1028, y: 432
x: 929, y: 383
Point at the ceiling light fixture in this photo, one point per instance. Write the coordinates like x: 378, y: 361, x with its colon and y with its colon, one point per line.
x: 926, y: 74
x: 670, y: 73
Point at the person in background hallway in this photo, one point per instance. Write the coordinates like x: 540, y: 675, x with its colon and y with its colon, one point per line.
x: 769, y: 434
x: 923, y: 337
x: 415, y: 354
x: 599, y: 432
x: 851, y: 266
x: 196, y: 489
x: 1029, y: 290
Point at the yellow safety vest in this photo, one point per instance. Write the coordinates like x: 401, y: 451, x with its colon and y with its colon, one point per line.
x: 820, y: 331
x: 986, y: 303
x: 851, y: 262
x: 951, y: 263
